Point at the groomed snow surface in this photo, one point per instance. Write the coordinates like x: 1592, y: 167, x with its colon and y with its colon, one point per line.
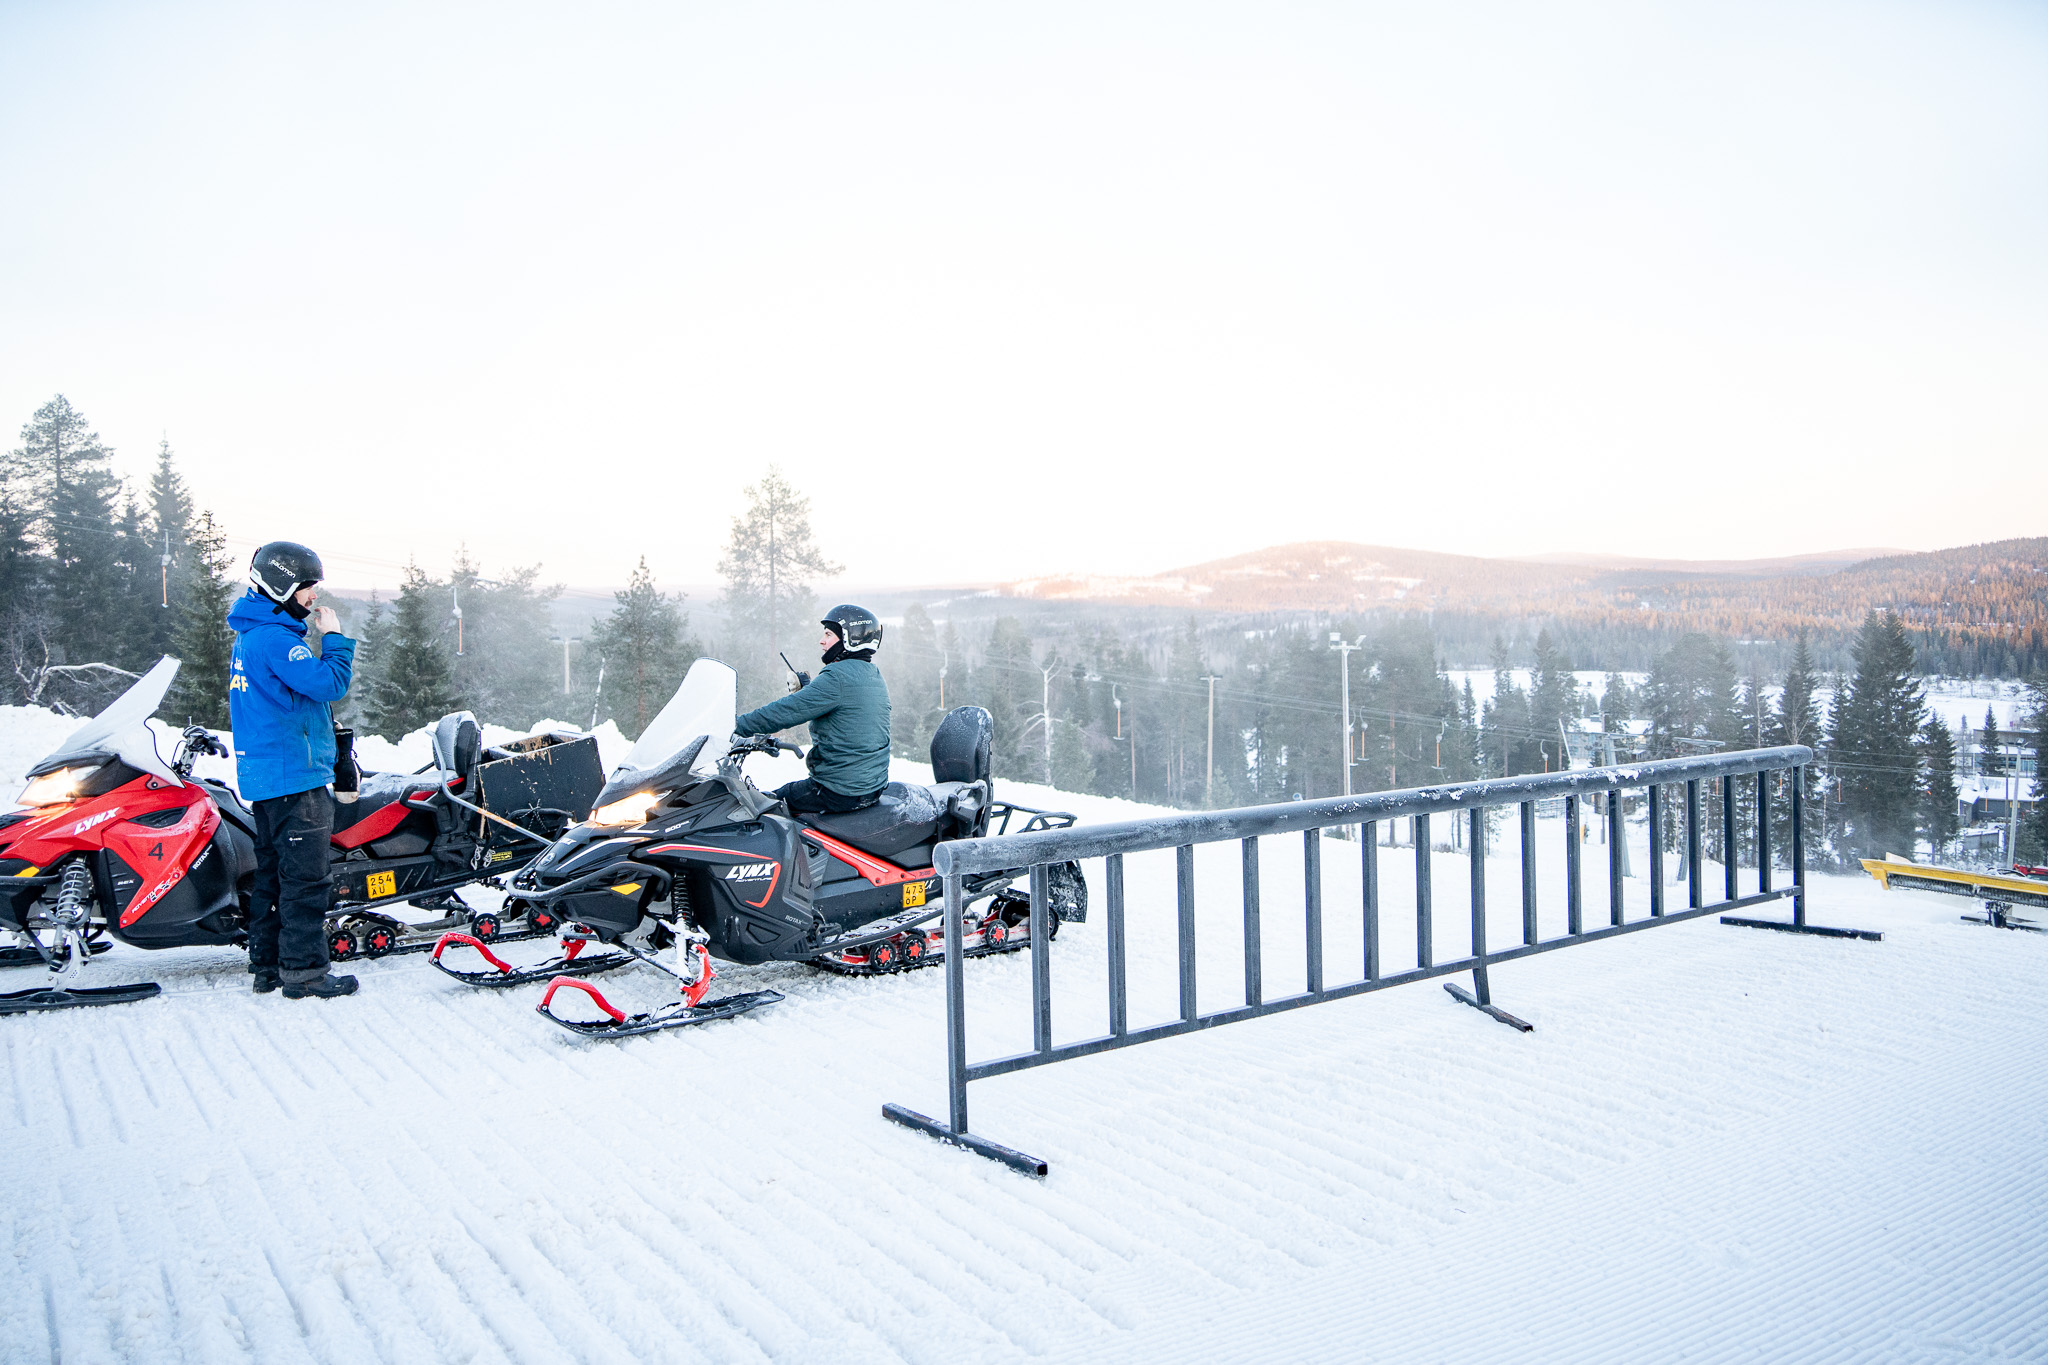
x: 1718, y: 1145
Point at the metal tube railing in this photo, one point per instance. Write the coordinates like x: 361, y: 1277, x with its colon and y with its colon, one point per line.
x: 957, y: 860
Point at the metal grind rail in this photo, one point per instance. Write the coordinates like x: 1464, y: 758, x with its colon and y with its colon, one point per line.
x: 1603, y: 787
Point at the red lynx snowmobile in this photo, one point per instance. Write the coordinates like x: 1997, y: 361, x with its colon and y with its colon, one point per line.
x: 117, y: 842
x: 683, y: 852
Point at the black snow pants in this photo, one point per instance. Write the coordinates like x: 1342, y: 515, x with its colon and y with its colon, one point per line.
x: 806, y: 797
x: 288, y: 907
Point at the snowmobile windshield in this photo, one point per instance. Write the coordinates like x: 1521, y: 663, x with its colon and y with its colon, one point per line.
x: 122, y: 730
x: 689, y: 737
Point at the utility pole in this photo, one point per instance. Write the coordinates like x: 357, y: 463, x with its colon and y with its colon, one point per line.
x: 2012, y: 813
x: 944, y: 659
x: 1209, y: 779
x: 455, y: 593
x: 566, y: 641
x: 1045, y: 714
x: 1337, y: 642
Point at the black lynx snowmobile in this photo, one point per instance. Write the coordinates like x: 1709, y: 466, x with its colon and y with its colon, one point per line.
x: 684, y: 853
x: 115, y: 843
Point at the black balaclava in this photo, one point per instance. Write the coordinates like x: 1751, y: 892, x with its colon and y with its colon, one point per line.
x: 838, y: 649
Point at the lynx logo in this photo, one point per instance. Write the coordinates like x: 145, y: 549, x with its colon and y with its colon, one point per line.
x: 89, y: 821
x: 748, y: 872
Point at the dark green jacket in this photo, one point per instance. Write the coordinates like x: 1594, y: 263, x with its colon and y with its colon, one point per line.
x: 847, y: 708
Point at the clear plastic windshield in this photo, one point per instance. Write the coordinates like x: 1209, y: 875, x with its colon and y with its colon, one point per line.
x: 123, y: 728
x: 705, y: 704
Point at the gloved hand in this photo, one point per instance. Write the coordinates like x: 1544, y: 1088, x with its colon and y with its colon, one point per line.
x: 799, y: 681
x: 347, y: 775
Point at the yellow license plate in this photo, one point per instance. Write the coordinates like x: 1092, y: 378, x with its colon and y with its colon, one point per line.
x: 913, y: 894
x: 504, y: 855
x: 379, y: 885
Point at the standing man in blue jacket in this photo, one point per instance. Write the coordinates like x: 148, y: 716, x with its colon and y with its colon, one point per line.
x: 847, y: 708
x: 278, y: 695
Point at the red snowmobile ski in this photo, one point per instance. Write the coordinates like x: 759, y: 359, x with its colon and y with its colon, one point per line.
x: 684, y: 860
x: 114, y: 841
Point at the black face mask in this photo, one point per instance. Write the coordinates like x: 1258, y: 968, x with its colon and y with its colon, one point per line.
x: 837, y: 651
x: 290, y: 607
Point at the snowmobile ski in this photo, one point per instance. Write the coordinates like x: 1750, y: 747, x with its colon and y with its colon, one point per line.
x: 29, y: 957
x: 52, y: 998
x: 680, y: 1014
x: 502, y: 973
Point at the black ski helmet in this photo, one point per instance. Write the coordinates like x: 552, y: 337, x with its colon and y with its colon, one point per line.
x: 858, y: 630
x: 282, y: 567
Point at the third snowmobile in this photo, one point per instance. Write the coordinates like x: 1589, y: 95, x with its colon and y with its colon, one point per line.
x: 683, y: 852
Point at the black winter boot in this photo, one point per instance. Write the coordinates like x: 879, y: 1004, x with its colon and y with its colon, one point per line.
x: 264, y: 980
x: 323, y: 988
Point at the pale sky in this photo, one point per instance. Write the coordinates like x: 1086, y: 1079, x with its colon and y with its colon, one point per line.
x: 1014, y: 289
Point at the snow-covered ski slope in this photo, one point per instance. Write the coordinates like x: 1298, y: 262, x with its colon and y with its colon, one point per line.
x: 1718, y: 1145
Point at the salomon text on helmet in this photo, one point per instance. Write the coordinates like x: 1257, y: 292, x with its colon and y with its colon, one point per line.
x: 282, y: 567
x: 859, y: 632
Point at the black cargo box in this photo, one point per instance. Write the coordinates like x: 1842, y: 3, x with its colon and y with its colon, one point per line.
x: 543, y: 783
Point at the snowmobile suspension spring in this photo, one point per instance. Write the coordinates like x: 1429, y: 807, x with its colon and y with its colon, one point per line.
x: 74, y: 897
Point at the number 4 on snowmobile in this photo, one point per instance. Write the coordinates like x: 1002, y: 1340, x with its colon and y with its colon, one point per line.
x: 685, y: 859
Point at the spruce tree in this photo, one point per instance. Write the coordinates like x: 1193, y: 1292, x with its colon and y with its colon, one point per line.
x: 69, y: 475
x: 2034, y: 832
x: 1938, y: 818
x: 373, y: 648
x: 168, y: 569
x: 768, y: 567
x: 1795, y: 719
x: 414, y: 686
x: 911, y: 664
x: 646, y: 647
x: 1990, y: 762
x: 201, y: 640
x: 507, y: 670
x: 1874, y: 751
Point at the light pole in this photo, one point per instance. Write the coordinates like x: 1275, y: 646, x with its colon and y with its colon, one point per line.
x: 565, y: 641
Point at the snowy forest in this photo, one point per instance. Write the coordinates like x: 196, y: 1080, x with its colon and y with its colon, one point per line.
x: 99, y: 578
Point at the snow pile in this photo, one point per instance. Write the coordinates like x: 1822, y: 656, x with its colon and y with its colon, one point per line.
x: 1718, y: 1145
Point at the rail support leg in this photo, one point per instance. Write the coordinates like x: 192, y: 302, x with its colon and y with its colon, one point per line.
x: 1818, y: 930
x: 1481, y: 998
x: 980, y: 1146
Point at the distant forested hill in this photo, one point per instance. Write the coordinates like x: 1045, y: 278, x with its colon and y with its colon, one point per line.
x: 1973, y: 609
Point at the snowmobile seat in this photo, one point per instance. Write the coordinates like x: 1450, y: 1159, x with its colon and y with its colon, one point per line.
x: 377, y: 810
x: 458, y: 746
x: 903, y: 817
x: 960, y: 746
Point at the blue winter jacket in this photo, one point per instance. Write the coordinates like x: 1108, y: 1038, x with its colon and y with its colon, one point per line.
x: 277, y: 700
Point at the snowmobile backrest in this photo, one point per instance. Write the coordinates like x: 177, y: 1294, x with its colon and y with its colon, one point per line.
x: 960, y: 745
x: 458, y: 744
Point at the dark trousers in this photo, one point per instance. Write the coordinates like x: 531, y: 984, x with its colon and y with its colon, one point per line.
x: 805, y: 797
x: 288, y: 907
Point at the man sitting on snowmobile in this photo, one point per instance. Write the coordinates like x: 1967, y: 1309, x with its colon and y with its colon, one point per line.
x: 847, y: 708
x: 278, y: 691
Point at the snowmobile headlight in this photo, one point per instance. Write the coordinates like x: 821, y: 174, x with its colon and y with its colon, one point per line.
x: 627, y: 810
x: 59, y: 785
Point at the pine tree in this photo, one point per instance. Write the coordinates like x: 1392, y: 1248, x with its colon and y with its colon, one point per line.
x: 167, y: 534
x: 911, y: 664
x: 1874, y: 751
x: 1938, y: 818
x: 1795, y: 719
x: 75, y: 495
x: 2034, y: 831
x: 768, y: 566
x: 202, y: 641
x: 506, y: 670
x: 414, y: 686
x: 647, y: 648
x: 1990, y: 761
x: 373, y: 648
